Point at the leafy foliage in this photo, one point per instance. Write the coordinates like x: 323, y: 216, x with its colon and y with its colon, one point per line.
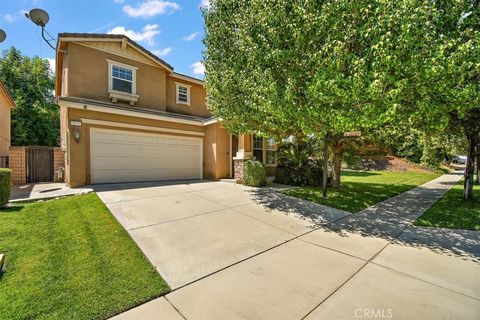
x: 35, y: 120
x: 299, y: 164
x: 254, y: 173
x: 5, y: 176
x: 291, y: 68
x: 302, y: 67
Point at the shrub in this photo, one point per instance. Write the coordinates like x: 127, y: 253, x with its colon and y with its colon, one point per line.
x: 5, y: 176
x: 281, y: 175
x: 254, y: 173
x: 299, y: 164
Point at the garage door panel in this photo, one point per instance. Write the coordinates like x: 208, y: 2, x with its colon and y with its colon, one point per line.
x: 104, y: 176
x: 108, y: 163
x: 145, y: 154
x: 125, y: 156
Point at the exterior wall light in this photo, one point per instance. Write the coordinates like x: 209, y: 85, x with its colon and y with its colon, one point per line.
x: 76, y: 125
x: 76, y: 133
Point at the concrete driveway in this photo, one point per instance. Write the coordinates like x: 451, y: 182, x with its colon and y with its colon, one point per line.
x: 233, y: 252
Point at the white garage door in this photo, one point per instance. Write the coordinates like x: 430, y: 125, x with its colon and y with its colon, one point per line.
x: 124, y: 156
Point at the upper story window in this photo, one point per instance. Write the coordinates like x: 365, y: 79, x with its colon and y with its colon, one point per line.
x: 182, y: 93
x: 122, y: 82
x: 122, y: 79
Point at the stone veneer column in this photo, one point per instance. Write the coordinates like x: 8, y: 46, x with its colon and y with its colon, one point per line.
x: 244, y: 153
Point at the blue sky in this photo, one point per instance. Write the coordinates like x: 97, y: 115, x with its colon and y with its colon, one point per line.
x: 171, y: 29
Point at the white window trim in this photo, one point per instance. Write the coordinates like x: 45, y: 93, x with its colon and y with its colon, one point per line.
x: 177, y: 85
x: 120, y: 95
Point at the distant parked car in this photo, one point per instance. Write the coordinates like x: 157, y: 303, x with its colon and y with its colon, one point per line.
x: 459, y: 159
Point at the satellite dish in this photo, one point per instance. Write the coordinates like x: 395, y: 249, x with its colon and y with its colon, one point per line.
x: 3, y: 35
x: 38, y: 16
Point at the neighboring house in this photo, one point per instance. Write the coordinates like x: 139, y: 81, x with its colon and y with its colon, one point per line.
x: 126, y: 116
x: 6, y: 104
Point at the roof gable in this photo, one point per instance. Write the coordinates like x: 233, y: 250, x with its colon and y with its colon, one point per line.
x: 116, y: 44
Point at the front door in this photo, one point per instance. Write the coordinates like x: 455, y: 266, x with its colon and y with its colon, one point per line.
x: 234, y: 152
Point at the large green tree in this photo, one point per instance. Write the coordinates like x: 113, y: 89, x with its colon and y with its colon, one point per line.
x: 304, y: 67
x: 35, y: 120
x: 298, y: 67
x: 437, y: 88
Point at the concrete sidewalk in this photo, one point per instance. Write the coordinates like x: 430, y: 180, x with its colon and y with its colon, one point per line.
x: 44, y: 191
x: 305, y: 262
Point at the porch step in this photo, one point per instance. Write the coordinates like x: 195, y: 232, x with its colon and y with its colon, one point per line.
x: 228, y: 180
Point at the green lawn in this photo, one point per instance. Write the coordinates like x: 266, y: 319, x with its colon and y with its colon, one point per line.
x: 361, y: 189
x: 70, y: 259
x: 453, y: 212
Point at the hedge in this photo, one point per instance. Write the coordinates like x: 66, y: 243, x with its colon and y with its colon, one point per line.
x: 254, y: 173
x: 5, y: 176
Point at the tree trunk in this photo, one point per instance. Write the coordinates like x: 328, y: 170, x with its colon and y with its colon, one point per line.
x: 337, y: 148
x: 325, y: 167
x: 478, y: 164
x: 469, y: 170
x: 337, y: 169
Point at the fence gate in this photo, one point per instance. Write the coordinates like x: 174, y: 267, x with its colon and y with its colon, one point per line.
x: 39, y: 164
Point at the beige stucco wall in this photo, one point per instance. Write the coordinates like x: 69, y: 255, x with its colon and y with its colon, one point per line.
x: 222, y: 163
x: 209, y: 152
x: 216, y: 152
x: 197, y: 98
x: 88, y: 77
x: 84, y: 73
x: 216, y: 143
x: 5, y: 105
x: 78, y: 153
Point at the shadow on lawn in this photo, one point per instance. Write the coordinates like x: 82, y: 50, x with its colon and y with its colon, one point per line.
x: 11, y: 209
x: 353, y: 196
x: 347, y: 173
x: 390, y: 219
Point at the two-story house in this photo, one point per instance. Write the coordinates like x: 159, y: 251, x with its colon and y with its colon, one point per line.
x: 6, y: 104
x: 127, y: 116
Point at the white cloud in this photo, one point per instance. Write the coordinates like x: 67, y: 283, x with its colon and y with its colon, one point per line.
x: 190, y: 37
x: 147, y: 34
x: 198, y: 68
x: 205, y: 4
x: 51, y: 62
x: 162, y: 52
x: 118, y: 1
x: 10, y: 18
x: 151, y: 8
